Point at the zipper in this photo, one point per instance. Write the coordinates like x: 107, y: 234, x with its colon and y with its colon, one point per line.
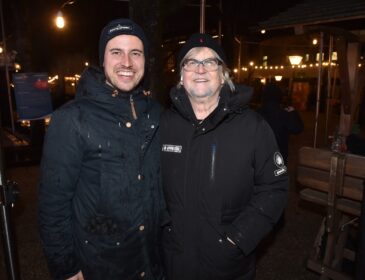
x: 213, y: 159
x: 133, y: 109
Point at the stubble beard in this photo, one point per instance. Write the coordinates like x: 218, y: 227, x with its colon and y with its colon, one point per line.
x: 206, y: 94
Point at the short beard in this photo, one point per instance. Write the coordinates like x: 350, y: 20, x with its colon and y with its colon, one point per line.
x: 108, y: 81
x: 208, y: 93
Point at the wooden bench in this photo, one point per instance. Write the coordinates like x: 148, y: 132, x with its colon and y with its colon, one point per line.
x: 335, y: 181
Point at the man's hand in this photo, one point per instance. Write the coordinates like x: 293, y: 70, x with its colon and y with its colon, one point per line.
x: 78, y: 276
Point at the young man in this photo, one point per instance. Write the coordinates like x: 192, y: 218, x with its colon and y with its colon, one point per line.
x: 99, y: 195
x: 224, y: 179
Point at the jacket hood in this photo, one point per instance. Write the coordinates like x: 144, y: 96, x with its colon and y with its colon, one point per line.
x: 238, y: 100
x: 93, y: 88
x: 232, y: 102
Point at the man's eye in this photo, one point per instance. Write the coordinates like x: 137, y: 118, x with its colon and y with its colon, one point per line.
x: 208, y: 63
x: 192, y: 63
x: 136, y: 54
x: 115, y: 52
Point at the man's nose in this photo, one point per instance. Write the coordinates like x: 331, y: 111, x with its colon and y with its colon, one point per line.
x: 126, y: 60
x: 200, y: 68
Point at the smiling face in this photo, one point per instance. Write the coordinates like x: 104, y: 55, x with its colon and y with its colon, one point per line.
x: 124, y: 62
x: 200, y: 83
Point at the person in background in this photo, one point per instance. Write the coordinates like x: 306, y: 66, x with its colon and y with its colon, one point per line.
x: 100, y: 197
x: 355, y: 142
x: 224, y: 179
x: 284, y: 121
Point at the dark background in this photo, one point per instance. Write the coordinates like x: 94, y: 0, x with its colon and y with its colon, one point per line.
x: 40, y: 46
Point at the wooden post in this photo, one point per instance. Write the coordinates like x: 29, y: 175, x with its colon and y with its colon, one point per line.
x: 202, y: 16
x: 319, y: 83
x: 360, y: 254
x: 349, y: 54
x: 329, y: 84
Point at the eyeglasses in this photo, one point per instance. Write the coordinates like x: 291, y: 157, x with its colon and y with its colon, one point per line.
x: 209, y: 64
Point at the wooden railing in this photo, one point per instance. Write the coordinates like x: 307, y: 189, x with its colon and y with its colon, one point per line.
x: 335, y: 181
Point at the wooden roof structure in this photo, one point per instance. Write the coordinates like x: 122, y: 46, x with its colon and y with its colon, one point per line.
x: 342, y: 13
x: 343, y: 22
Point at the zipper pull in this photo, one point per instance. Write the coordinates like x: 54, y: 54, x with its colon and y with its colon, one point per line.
x: 133, y: 109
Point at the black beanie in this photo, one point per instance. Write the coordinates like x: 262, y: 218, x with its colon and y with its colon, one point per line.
x: 200, y: 40
x: 121, y: 26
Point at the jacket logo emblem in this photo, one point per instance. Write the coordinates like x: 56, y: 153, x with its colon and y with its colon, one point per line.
x: 171, y: 148
x: 279, y: 162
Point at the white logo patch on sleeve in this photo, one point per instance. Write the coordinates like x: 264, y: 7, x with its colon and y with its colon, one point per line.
x: 279, y: 162
x: 171, y: 148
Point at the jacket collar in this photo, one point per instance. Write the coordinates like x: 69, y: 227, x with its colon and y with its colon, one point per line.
x: 93, y: 88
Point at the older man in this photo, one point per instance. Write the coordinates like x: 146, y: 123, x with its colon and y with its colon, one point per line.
x: 99, y: 195
x: 224, y: 179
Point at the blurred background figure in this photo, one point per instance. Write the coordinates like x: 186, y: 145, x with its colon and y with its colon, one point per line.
x: 355, y: 142
x: 284, y: 120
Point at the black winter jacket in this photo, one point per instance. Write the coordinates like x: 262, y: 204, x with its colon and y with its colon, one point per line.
x: 99, y: 195
x: 222, y: 177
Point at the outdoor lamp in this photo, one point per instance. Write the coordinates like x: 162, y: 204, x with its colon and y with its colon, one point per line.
x: 295, y: 59
x: 278, y: 78
x: 60, y: 21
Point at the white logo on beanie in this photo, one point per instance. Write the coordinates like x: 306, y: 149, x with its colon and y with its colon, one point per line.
x: 120, y: 27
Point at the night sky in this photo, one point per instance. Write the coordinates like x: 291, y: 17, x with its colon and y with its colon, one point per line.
x: 32, y: 21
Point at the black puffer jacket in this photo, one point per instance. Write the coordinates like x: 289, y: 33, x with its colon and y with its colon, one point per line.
x: 221, y: 177
x: 99, y: 195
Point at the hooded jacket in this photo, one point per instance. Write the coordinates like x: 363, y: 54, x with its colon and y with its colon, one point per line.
x: 99, y: 194
x: 222, y: 177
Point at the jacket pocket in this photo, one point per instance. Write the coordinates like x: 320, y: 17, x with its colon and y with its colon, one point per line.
x: 220, y: 259
x: 111, y: 255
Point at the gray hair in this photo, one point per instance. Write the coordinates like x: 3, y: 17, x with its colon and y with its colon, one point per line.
x: 223, y: 69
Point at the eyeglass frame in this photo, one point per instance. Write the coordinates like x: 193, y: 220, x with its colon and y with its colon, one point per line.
x: 201, y: 62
